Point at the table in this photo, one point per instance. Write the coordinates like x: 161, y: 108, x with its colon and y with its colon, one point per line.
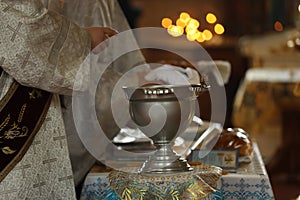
x: 250, y: 182
x: 267, y: 108
x: 271, y: 49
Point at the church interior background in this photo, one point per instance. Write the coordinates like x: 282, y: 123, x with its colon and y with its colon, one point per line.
x: 268, y: 26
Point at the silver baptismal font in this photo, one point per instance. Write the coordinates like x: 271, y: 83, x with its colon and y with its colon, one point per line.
x: 162, y: 112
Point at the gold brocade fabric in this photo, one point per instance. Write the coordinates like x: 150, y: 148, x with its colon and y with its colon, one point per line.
x: 297, y: 90
x: 258, y: 108
x: 193, y: 185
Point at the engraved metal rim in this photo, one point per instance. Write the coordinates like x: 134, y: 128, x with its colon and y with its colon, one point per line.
x: 165, y: 91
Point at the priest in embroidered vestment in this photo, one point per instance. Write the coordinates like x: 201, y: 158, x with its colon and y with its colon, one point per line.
x: 43, y: 49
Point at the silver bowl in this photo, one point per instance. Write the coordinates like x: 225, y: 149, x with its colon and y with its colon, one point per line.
x: 162, y: 112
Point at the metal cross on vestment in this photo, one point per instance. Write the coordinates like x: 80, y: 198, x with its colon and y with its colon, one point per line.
x: 25, y: 59
x: 59, y: 138
x: 34, y: 143
x: 68, y: 178
x: 39, y: 184
x: 10, y: 4
x: 15, y: 31
x: 2, y: 61
x: 49, y: 161
x: 6, y: 191
x: 22, y: 168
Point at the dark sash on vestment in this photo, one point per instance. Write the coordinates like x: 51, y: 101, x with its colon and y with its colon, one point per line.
x: 22, y: 112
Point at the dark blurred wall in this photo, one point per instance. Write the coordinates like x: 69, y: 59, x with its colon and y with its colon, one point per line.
x: 240, y: 17
x: 131, y: 13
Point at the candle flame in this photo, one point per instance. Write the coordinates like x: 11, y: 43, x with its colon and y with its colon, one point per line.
x: 166, y: 22
x: 299, y: 8
x: 219, y: 29
x: 185, y: 17
x: 193, y: 23
x: 200, y: 37
x: 190, y: 37
x: 175, y: 31
x: 190, y: 30
x: 211, y: 18
x: 186, y: 24
x: 193, y: 36
x: 181, y: 23
x: 278, y: 26
x: 207, y: 34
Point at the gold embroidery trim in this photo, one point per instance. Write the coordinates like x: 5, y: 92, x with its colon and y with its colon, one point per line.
x: 16, y: 131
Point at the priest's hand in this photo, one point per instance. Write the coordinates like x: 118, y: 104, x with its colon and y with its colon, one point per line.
x: 99, y: 34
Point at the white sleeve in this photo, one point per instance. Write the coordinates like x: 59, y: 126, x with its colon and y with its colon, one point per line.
x: 41, y: 48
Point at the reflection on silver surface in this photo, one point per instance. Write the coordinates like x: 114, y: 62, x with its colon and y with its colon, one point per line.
x: 162, y: 112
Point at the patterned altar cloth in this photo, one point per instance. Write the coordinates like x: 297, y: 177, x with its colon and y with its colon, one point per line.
x: 250, y: 182
x: 194, y: 185
x: 257, y: 104
x: 163, y: 188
